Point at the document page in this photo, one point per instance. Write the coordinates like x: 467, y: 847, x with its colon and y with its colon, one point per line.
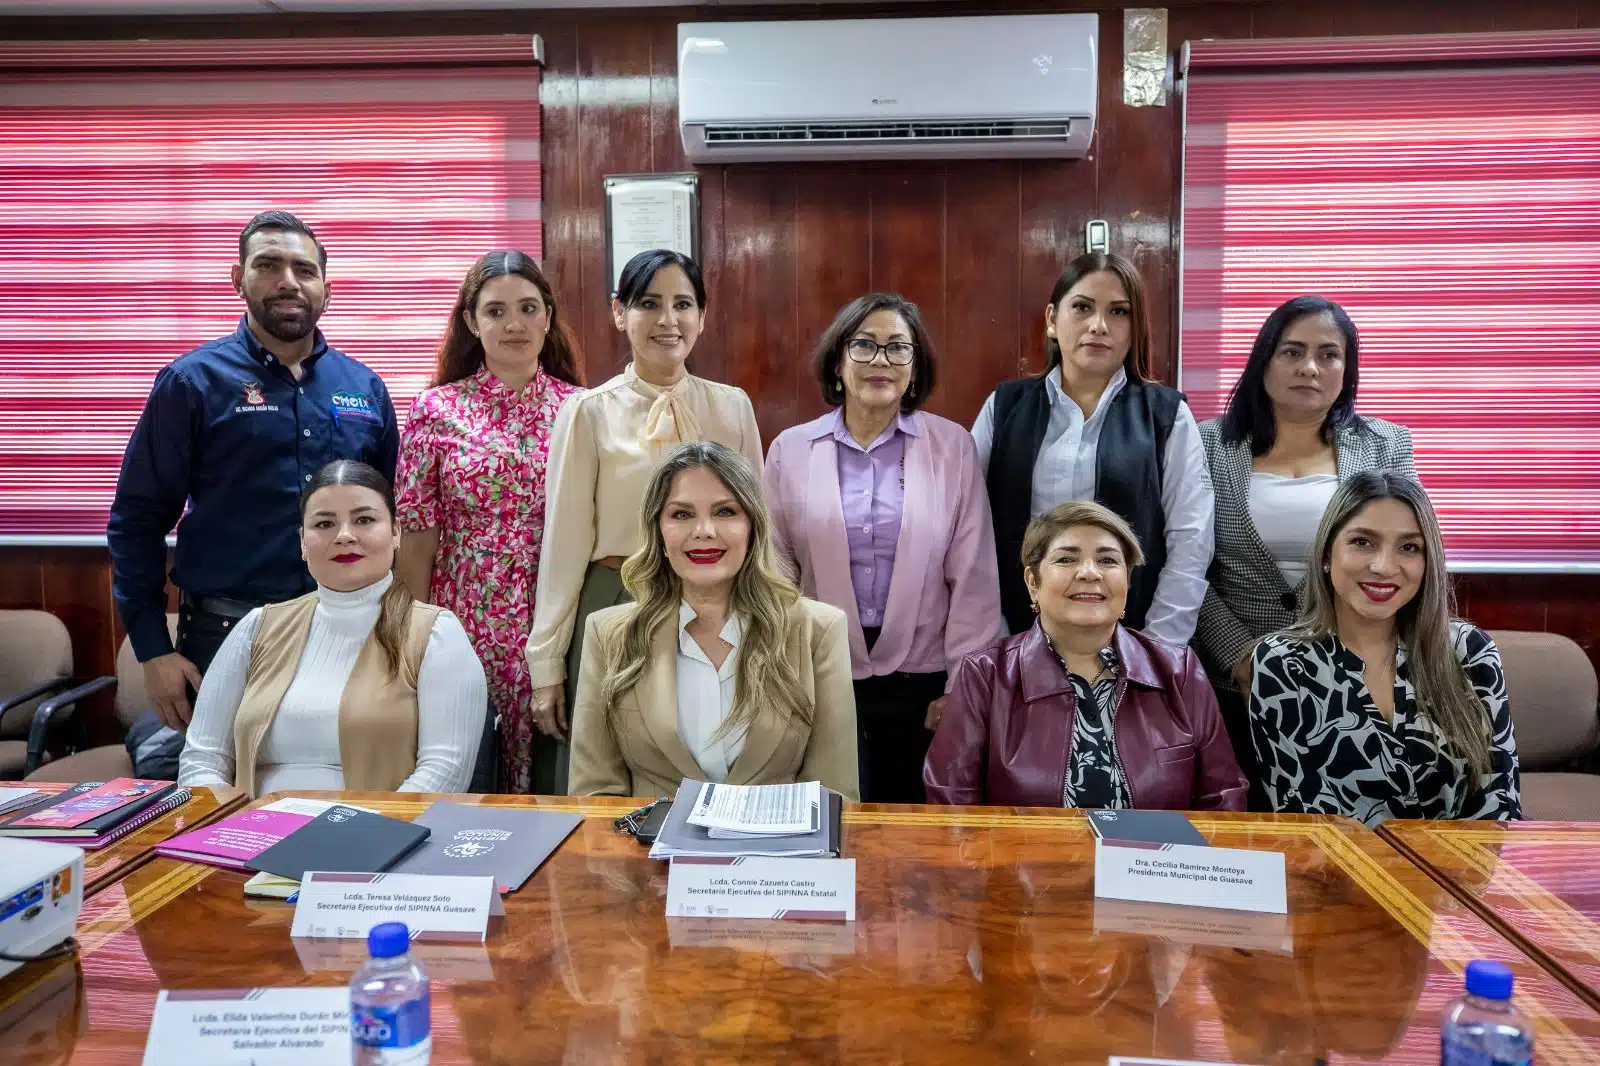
x: 758, y: 810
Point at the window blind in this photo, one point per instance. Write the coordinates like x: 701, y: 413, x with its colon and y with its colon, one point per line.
x: 1454, y: 210
x: 129, y: 170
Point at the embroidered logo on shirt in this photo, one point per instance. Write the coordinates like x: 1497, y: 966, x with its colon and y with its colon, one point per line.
x: 353, y: 405
x: 255, y: 399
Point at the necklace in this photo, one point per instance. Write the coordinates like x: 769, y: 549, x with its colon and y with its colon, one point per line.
x: 1107, y: 657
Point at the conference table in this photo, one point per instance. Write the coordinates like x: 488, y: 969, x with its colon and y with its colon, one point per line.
x: 978, y: 939
x: 1537, y: 882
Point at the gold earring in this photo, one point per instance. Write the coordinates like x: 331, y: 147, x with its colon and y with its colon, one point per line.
x: 1050, y: 331
x: 1033, y: 605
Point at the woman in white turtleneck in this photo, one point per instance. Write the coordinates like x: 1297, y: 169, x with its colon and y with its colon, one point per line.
x: 354, y: 686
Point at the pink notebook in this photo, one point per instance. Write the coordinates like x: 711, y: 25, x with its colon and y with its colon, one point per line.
x: 239, y: 838
x: 74, y: 811
x: 167, y: 805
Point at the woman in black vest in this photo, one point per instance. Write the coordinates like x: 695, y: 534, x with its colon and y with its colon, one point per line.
x: 1094, y: 426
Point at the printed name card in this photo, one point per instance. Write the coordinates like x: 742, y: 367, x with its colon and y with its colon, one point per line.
x: 433, y: 907
x: 1191, y: 876
x: 748, y: 886
x: 251, y: 1027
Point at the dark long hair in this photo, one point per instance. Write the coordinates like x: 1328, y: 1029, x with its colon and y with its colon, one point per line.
x: 637, y: 274
x: 1137, y: 363
x: 394, y: 613
x: 829, y: 354
x: 1249, y: 415
x: 461, y: 352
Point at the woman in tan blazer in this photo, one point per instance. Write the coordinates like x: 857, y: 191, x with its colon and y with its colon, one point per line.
x: 720, y: 671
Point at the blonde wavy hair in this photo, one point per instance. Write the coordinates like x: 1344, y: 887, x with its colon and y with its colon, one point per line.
x: 762, y: 597
x: 1444, y: 693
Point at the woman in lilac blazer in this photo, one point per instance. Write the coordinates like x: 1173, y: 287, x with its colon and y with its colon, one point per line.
x: 882, y: 511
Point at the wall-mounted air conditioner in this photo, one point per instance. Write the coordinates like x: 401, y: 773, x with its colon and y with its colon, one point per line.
x: 935, y: 88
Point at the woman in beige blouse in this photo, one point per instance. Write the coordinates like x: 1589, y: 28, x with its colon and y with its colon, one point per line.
x: 603, y: 447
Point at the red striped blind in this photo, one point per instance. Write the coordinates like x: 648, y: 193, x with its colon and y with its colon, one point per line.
x: 1455, y: 212
x: 123, y: 190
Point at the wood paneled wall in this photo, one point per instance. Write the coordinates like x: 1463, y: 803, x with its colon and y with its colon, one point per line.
x: 976, y: 244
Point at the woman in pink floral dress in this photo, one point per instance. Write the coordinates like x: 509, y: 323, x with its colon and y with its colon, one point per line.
x: 471, y: 477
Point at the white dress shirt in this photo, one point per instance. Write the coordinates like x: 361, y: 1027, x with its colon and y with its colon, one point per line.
x: 705, y: 698
x: 1286, y: 512
x: 301, y: 748
x: 1065, y: 470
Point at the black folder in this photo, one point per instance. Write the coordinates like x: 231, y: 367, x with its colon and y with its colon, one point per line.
x: 341, y: 840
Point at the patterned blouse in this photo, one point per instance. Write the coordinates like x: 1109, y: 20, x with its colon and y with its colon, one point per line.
x: 1325, y: 748
x: 1094, y: 777
x: 472, y: 466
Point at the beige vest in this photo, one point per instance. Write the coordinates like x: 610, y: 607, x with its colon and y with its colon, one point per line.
x: 377, y: 712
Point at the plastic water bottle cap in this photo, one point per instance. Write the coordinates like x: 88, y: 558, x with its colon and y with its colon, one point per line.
x: 390, y: 939
x: 1491, y: 980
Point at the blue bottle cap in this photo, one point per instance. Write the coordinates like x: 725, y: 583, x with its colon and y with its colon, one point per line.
x: 390, y: 939
x: 1491, y: 980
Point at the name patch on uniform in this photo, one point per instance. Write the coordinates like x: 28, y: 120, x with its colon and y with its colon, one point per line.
x: 255, y: 398
x: 354, y: 405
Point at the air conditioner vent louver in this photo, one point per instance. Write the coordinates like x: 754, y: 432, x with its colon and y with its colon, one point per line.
x: 886, y: 132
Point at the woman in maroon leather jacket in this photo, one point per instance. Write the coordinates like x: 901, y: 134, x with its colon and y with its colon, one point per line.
x: 1079, y: 711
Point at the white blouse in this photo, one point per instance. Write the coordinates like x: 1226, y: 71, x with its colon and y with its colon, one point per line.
x: 301, y: 749
x: 1065, y: 470
x: 705, y: 698
x: 1286, y: 512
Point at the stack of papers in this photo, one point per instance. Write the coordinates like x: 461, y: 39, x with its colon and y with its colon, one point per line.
x: 785, y: 821
x: 733, y: 812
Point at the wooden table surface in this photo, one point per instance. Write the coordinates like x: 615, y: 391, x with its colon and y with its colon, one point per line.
x: 1538, y: 882
x: 978, y: 940
x: 104, y: 865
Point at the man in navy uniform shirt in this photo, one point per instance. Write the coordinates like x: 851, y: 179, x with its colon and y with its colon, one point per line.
x: 235, y: 429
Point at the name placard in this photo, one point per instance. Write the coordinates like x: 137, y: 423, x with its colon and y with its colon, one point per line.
x: 1192, y: 876
x: 754, y: 887
x: 434, y: 907
x: 245, y: 1026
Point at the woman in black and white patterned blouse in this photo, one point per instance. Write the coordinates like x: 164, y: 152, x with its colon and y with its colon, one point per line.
x: 1378, y: 704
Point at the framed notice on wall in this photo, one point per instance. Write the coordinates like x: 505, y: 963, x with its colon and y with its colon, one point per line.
x: 646, y: 211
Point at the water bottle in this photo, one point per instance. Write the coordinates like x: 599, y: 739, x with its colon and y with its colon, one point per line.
x: 1482, y: 1028
x: 390, y: 1020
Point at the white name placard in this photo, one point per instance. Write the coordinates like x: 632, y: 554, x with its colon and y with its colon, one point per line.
x: 1192, y: 876
x: 433, y: 907
x: 245, y: 1026
x: 747, y: 886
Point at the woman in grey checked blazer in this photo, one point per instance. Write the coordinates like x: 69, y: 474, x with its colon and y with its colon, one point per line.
x: 1289, y: 437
